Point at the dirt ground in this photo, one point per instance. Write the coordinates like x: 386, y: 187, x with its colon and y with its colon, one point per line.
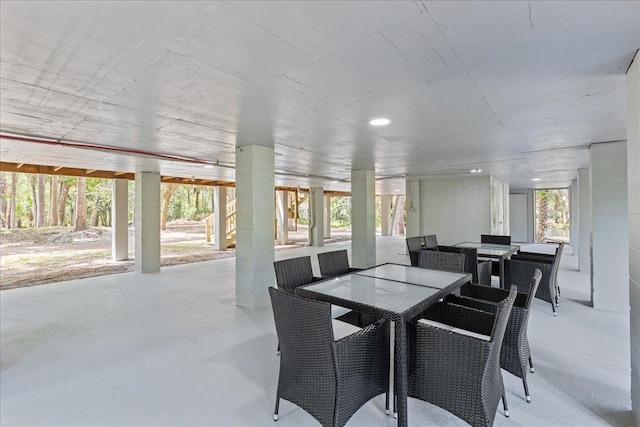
x: 36, y: 256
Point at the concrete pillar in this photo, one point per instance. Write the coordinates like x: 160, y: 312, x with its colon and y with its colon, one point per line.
x: 413, y: 225
x: 220, y: 217
x: 385, y: 215
x: 584, y: 227
x: 609, y: 226
x: 316, y: 216
x: 147, y: 219
x: 574, y: 218
x: 633, y: 194
x: 327, y: 217
x: 255, y: 251
x: 282, y: 199
x: 120, y: 219
x: 363, y: 219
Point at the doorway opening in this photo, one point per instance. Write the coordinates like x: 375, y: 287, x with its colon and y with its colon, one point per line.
x: 552, y: 215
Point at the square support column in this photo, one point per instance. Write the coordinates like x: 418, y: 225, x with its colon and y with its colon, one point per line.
x: 255, y: 251
x: 283, y: 216
x: 147, y: 219
x: 120, y: 219
x: 413, y: 225
x: 385, y: 215
x: 363, y: 218
x: 584, y: 227
x: 316, y: 216
x: 633, y: 194
x: 609, y: 226
x: 327, y: 217
x: 574, y: 218
x: 220, y: 218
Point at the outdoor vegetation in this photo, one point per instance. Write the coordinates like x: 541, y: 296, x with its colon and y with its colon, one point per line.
x: 552, y: 214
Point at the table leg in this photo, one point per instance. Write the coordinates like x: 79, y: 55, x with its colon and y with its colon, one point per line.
x: 401, y: 371
x: 392, y: 349
x: 501, y: 272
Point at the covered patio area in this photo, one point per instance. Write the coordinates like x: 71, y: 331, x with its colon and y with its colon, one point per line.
x: 173, y: 348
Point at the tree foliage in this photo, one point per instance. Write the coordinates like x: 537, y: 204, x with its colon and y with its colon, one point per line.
x: 552, y: 211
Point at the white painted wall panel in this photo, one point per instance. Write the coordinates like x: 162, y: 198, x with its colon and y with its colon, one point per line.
x: 456, y: 209
x: 584, y: 227
x: 633, y: 177
x: 609, y: 222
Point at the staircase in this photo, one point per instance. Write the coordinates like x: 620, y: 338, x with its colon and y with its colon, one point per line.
x: 230, y: 225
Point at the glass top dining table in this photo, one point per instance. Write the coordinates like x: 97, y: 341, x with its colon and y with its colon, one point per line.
x: 491, y: 250
x: 395, y: 292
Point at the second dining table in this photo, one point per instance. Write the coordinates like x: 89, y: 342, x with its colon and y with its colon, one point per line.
x: 396, y: 292
x: 494, y: 251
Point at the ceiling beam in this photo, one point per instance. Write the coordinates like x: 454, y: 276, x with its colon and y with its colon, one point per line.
x: 94, y: 173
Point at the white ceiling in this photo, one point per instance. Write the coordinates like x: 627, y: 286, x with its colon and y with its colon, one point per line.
x: 517, y: 89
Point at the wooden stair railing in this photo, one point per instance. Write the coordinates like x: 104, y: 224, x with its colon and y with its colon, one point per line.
x: 230, y: 220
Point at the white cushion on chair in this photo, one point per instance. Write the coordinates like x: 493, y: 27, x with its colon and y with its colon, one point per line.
x: 337, y: 311
x: 343, y: 329
x: 454, y: 329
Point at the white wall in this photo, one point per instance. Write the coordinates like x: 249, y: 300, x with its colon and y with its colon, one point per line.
x: 633, y: 193
x: 499, y: 207
x: 609, y: 226
x: 455, y: 209
x: 519, y: 217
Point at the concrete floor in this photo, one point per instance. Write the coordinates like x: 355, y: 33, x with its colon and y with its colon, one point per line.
x: 171, y: 349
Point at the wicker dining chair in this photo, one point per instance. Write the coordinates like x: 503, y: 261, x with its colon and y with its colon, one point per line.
x: 431, y: 241
x: 443, y: 261
x: 454, y: 359
x: 548, y: 258
x: 330, y: 379
x: 516, y: 353
x: 480, y: 270
x: 519, y: 272
x: 334, y: 264
x: 414, y: 246
x: 294, y: 272
x: 495, y: 239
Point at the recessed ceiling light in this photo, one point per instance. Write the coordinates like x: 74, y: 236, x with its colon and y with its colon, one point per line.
x: 208, y: 166
x: 335, y: 182
x: 396, y: 190
x: 475, y: 170
x: 536, y: 179
x: 379, y: 122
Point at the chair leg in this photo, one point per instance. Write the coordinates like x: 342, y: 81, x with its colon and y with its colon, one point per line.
x: 526, y: 390
x: 275, y: 412
x: 504, y: 405
x: 278, y: 351
x: 531, y: 365
x: 386, y: 402
x: 553, y: 307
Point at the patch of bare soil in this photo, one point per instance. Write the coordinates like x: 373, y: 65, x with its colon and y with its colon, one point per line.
x: 54, y: 254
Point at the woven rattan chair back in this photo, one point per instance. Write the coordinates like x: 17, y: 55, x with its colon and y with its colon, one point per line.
x: 293, y: 272
x: 329, y: 379
x: 470, y: 259
x: 414, y: 245
x: 430, y: 241
x: 458, y: 373
x: 307, y: 376
x: 443, y: 261
x: 533, y: 288
x: 333, y: 263
x: 495, y: 239
x: 519, y: 272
